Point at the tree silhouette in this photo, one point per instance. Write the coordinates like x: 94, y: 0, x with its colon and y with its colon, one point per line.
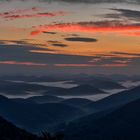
x: 48, y: 136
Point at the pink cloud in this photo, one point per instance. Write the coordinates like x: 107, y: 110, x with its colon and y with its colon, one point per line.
x: 89, y: 28
x: 22, y: 63
x: 91, y: 65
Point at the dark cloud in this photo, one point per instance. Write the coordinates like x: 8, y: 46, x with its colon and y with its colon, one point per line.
x: 19, y: 42
x: 113, y: 16
x: 74, y: 35
x: 131, y: 14
x: 57, y: 43
x: 81, y: 39
x: 54, y: 41
x: 125, y: 53
x: 103, y: 23
x: 60, y: 45
x: 50, y: 33
x: 21, y: 53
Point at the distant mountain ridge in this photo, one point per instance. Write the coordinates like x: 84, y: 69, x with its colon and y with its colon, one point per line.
x: 45, y: 99
x: 99, y: 82
x: 116, y: 100
x: 83, y: 89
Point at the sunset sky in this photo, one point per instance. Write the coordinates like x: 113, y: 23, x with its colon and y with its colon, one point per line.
x: 43, y: 37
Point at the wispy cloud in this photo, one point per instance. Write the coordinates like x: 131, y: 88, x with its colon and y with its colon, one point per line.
x: 33, y: 12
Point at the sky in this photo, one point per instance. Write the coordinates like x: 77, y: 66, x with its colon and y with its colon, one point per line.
x: 83, y: 36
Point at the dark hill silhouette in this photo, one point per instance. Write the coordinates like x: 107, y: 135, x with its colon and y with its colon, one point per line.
x: 10, y: 132
x: 77, y: 102
x: 121, y: 124
x: 36, y: 117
